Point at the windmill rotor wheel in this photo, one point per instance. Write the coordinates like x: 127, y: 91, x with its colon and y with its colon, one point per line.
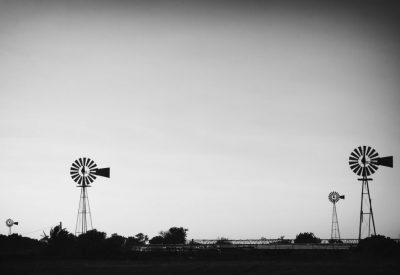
x: 364, y: 161
x: 83, y: 171
x: 9, y: 222
x: 334, y: 197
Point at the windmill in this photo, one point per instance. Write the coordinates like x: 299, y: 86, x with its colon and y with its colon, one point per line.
x: 364, y: 161
x: 334, y: 197
x: 84, y: 172
x: 10, y: 223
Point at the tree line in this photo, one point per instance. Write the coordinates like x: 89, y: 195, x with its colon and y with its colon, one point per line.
x: 95, y: 244
x: 92, y: 244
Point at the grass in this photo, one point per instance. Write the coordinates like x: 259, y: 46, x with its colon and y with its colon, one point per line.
x: 325, y: 267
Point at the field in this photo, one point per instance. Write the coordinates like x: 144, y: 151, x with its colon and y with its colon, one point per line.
x: 326, y: 267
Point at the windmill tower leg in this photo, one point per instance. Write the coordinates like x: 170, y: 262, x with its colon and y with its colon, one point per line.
x: 366, y: 213
x: 335, y: 232
x: 83, y: 213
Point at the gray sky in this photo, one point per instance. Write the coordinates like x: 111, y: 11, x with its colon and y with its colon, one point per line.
x: 232, y: 119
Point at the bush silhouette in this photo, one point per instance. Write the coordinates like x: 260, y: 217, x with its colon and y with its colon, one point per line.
x: 223, y: 241
x: 60, y: 242
x: 378, y: 245
x: 175, y: 235
x: 157, y: 240
x: 91, y: 244
x: 139, y: 240
x: 307, y: 237
x: 114, y: 245
x: 15, y: 243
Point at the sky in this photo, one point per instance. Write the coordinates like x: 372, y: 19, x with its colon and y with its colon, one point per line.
x: 233, y: 119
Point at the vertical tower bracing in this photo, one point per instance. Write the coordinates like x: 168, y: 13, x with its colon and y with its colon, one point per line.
x: 367, y: 222
x: 84, y: 218
x: 335, y: 232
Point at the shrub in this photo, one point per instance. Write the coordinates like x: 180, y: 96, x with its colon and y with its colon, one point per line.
x: 378, y: 245
x: 307, y: 237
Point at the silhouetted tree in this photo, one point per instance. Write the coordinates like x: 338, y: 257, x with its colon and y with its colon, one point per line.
x: 92, y: 243
x: 223, y: 241
x: 16, y: 244
x: 378, y: 245
x: 175, y: 235
x: 115, y: 244
x: 60, y: 241
x: 157, y: 240
x: 139, y: 240
x: 282, y: 240
x: 307, y: 237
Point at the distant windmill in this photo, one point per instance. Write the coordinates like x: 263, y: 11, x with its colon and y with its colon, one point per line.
x: 84, y: 172
x: 364, y: 161
x: 10, y: 223
x: 334, y: 197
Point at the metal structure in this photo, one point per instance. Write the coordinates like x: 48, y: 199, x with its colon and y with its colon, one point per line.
x: 84, y: 172
x: 10, y: 223
x: 250, y: 244
x: 334, y: 197
x: 364, y: 161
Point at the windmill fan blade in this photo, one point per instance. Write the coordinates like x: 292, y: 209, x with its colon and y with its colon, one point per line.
x: 354, y: 166
x: 360, y: 171
x: 361, y: 151
x: 358, y: 151
x: 374, y: 155
x: 84, y: 161
x: 91, y: 164
x: 351, y: 162
x: 369, y: 170
x: 353, y: 159
x: 91, y: 178
x: 357, y: 170
x: 365, y: 150
x: 103, y: 172
x: 354, y: 155
x: 80, y: 162
x: 374, y: 166
x: 386, y: 161
x: 368, y: 150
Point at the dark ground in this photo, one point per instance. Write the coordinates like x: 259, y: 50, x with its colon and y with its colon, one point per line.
x: 326, y: 267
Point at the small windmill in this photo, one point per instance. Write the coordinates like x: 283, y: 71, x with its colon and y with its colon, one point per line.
x: 84, y: 172
x: 364, y: 161
x: 334, y: 197
x: 10, y: 223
